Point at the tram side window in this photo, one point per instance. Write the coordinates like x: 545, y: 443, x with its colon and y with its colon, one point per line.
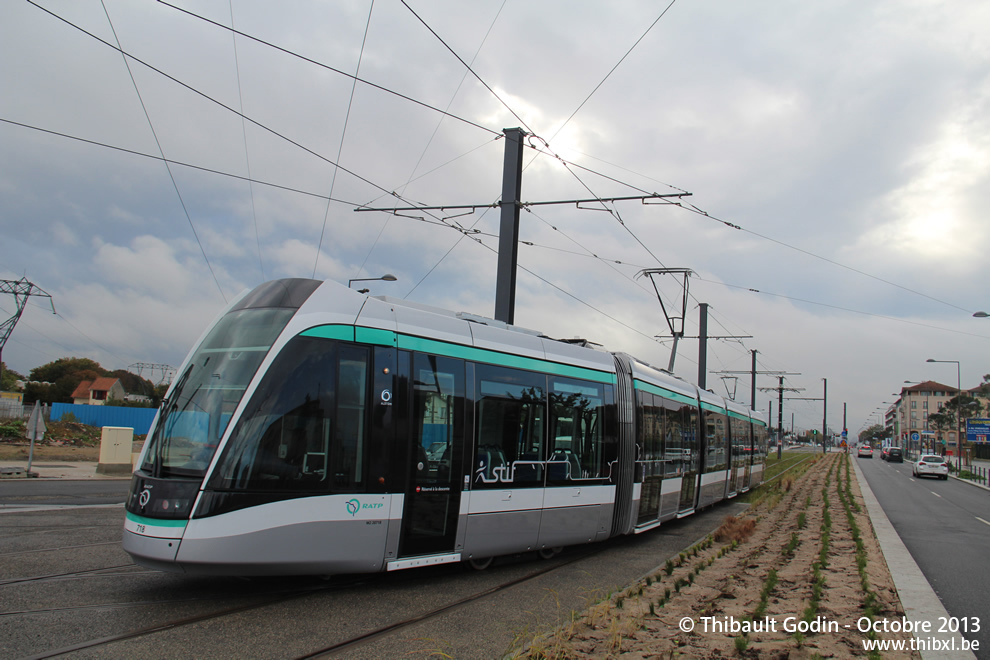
x: 676, y: 449
x: 715, y: 430
x: 511, y: 413
x: 282, y: 440
x: 577, y: 420
x: 760, y: 443
x: 740, y: 440
x: 438, y: 394
x: 651, y: 453
x: 352, y: 392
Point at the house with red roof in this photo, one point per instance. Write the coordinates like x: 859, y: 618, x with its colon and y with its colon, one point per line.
x: 96, y: 392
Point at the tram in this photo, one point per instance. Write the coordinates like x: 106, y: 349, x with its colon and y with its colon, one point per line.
x: 317, y: 430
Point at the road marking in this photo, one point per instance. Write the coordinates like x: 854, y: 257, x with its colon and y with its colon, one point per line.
x: 934, y: 493
x: 982, y: 520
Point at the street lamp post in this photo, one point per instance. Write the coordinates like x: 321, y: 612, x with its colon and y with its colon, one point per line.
x: 387, y: 277
x: 958, y: 411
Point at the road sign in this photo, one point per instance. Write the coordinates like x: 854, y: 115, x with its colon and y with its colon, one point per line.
x: 915, y: 437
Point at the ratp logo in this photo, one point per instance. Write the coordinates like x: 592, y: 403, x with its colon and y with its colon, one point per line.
x: 355, y: 505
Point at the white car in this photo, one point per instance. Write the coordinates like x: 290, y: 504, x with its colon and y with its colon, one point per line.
x: 930, y: 464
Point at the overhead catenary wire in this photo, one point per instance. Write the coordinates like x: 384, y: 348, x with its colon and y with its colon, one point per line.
x: 343, y: 134
x: 171, y: 177
x: 329, y: 68
x: 690, y: 207
x: 350, y: 203
x: 612, y: 210
x: 223, y: 105
x: 209, y: 98
x: 247, y: 157
x: 436, y: 129
x: 612, y: 70
x: 695, y: 207
x: 209, y: 170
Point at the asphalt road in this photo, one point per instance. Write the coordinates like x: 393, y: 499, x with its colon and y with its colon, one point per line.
x: 60, y: 492
x: 945, y: 525
x: 67, y: 583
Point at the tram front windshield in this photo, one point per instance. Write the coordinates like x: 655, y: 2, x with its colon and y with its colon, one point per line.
x: 196, y: 413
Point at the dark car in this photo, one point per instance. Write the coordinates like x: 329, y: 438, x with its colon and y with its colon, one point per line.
x: 895, y: 455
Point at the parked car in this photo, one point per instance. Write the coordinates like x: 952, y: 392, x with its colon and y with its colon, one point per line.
x: 865, y: 451
x: 930, y: 464
x: 895, y: 455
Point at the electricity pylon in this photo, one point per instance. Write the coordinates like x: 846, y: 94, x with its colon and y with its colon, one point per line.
x: 21, y: 290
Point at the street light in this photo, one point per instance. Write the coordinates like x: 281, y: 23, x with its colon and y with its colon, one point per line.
x: 387, y: 277
x: 958, y: 411
x: 981, y: 315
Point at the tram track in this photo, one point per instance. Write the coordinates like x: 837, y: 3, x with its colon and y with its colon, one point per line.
x: 62, y: 548
x: 268, y: 600
x: 368, y: 636
x: 265, y: 601
x: 149, y: 608
x: 97, y: 572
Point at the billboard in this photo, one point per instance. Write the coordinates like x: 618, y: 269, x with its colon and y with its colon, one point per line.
x: 977, y: 430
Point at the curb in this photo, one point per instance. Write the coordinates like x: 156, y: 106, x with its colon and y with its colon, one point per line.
x: 969, y: 481
x: 917, y: 596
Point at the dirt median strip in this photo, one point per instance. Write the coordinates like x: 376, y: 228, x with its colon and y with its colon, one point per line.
x: 800, y: 574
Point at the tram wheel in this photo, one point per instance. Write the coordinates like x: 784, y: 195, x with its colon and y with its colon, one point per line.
x: 549, y: 553
x: 480, y: 564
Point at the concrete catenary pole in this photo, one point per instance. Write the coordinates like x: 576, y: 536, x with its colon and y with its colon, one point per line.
x: 508, y: 236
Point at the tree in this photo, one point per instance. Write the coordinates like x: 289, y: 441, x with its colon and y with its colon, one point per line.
x: 8, y: 378
x: 876, y: 431
x: 52, y: 371
x: 984, y: 392
x: 65, y: 374
x: 963, y: 406
x: 941, y: 421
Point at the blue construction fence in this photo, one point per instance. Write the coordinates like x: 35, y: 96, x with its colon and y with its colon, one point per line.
x: 138, y: 419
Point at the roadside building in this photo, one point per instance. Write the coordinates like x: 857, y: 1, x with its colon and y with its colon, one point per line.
x: 911, y: 412
x: 96, y: 392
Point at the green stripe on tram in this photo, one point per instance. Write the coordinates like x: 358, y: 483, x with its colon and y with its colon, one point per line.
x: 157, y: 522
x: 733, y: 413
x: 664, y: 392
x: 374, y: 336
x: 341, y: 332
x: 380, y: 337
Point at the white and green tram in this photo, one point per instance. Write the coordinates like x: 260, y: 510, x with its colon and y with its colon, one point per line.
x: 316, y: 430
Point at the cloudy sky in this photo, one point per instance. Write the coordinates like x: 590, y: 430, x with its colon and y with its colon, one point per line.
x: 837, y: 155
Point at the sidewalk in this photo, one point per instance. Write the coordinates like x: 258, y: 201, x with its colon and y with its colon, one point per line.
x: 54, y: 470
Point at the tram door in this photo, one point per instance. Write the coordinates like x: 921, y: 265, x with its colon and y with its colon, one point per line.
x: 436, y: 449
x: 692, y: 459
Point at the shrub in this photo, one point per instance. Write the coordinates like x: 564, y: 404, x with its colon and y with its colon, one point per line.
x: 735, y: 529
